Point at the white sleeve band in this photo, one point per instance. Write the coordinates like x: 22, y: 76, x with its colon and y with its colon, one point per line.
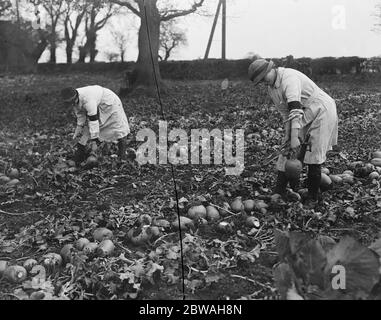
x: 94, y: 129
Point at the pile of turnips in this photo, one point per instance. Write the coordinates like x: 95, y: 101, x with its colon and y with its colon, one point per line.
x: 146, y: 230
x: 102, y: 246
x: 11, y: 179
x: 368, y: 170
x: 217, y: 215
x: 371, y: 170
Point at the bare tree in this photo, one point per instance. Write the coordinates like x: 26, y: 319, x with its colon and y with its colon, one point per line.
x: 5, y: 6
x: 151, y: 18
x: 75, y: 11
x: 92, y: 27
x: 171, y: 37
x: 54, y: 9
x: 120, y: 38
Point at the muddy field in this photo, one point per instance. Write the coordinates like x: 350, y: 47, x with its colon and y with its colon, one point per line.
x: 54, y: 205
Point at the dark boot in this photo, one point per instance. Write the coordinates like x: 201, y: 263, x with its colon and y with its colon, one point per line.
x: 122, y: 148
x: 281, y: 183
x: 80, y: 154
x: 294, y: 184
x: 313, y: 185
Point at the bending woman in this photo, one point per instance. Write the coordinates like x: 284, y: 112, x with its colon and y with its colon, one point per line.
x: 307, y: 111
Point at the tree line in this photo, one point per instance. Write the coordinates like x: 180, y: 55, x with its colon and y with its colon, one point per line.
x: 77, y: 23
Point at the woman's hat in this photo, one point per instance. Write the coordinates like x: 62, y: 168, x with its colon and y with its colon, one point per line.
x: 69, y: 94
x: 258, y: 70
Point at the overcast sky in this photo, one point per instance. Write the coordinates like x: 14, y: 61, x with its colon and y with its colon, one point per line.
x: 272, y: 28
x: 275, y: 28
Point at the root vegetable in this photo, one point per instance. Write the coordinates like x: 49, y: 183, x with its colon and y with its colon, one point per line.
x: 3, y: 266
x: 249, y: 205
x: 51, y: 260
x: 374, y: 175
x: 225, y: 227
x: 185, y: 223
x: 145, y: 219
x: 225, y: 209
x: 4, y: 179
x: 276, y: 199
x: 293, y: 168
x: 377, y: 154
x: 348, y: 172
x: 336, y: 179
x: 260, y: 204
x: 91, y: 162
x: 155, y: 231
x: 29, y: 264
x: 355, y: 164
x: 13, y: 173
x: 162, y: 223
x: 212, y: 213
x: 263, y: 210
x: 81, y: 243
x: 139, y: 236
x: 325, y: 171
x: 347, y: 178
x: 39, y: 295
x: 67, y: 252
x: 105, y: 248
x: 197, y: 212
x: 203, y: 222
x: 376, y: 162
x: 325, y: 181
x: 90, y: 248
x: 369, y: 168
x: 237, y: 205
x: 101, y: 234
x: 13, y: 183
x: 15, y: 274
x: 252, y: 222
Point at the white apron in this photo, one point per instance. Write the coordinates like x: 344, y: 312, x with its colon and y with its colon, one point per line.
x: 113, y: 123
x: 320, y: 115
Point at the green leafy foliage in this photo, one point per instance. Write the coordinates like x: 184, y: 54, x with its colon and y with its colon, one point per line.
x: 55, y: 205
x: 309, y: 266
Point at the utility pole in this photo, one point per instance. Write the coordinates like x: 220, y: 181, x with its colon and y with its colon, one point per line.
x: 213, y: 29
x: 223, y: 55
x: 18, y: 13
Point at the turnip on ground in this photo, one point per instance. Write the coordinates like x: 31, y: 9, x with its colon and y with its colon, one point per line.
x: 178, y: 153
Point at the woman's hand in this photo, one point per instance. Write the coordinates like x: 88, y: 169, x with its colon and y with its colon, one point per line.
x: 295, y: 143
x: 294, y: 146
x: 78, y: 132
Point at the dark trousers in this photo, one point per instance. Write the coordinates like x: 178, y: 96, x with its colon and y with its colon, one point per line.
x: 82, y: 153
x: 313, y: 182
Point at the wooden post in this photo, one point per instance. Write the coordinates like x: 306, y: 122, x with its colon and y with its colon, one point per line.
x: 223, y: 55
x: 18, y: 13
x: 213, y: 29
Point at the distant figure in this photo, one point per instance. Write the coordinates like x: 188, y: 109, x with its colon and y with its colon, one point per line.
x: 307, y: 111
x: 100, y: 117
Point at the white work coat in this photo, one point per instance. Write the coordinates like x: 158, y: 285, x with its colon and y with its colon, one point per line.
x: 320, y: 116
x: 113, y: 123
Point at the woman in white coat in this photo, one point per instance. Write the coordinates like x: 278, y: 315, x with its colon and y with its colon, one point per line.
x: 100, y: 117
x: 307, y: 111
